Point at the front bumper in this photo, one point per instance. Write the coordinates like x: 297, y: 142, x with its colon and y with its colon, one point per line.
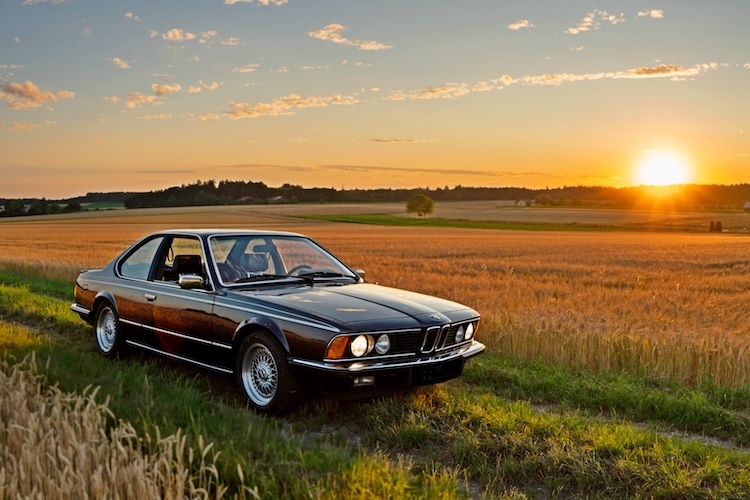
x: 362, y: 366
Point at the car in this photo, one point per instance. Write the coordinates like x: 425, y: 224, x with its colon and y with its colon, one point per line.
x: 276, y: 310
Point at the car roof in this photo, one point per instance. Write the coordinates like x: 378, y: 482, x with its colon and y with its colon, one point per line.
x: 226, y: 232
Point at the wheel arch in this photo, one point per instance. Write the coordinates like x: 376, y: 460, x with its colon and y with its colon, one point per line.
x: 100, y: 298
x: 258, y: 324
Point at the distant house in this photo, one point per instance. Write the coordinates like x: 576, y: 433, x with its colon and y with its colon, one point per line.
x: 524, y: 203
x: 746, y: 207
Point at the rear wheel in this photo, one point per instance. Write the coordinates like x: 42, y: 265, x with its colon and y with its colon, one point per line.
x: 109, y: 336
x: 265, y: 377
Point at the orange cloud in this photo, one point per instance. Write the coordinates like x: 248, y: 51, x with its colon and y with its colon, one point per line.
x: 285, y: 105
x: 27, y: 95
x: 332, y: 33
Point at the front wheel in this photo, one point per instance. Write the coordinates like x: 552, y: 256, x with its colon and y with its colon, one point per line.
x: 265, y: 377
x: 109, y: 336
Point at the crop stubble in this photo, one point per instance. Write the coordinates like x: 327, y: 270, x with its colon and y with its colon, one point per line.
x: 657, y: 305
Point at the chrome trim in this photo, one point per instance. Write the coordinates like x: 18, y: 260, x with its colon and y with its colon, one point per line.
x: 180, y: 335
x: 360, y: 366
x: 77, y: 308
x: 176, y: 356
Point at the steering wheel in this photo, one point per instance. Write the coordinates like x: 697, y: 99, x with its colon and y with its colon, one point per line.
x: 298, y: 268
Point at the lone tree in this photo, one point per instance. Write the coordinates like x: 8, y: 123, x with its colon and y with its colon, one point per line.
x: 420, y: 204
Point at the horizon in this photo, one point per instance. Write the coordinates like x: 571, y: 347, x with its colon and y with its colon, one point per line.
x: 660, y: 190
x: 100, y: 97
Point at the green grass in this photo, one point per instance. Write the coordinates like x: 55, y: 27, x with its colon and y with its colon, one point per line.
x: 103, y: 205
x: 505, y: 428
x: 392, y: 220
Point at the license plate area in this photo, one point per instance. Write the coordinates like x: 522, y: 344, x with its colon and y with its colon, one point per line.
x: 437, y: 372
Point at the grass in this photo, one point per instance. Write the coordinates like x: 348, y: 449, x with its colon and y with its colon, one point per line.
x: 392, y: 220
x: 509, y: 428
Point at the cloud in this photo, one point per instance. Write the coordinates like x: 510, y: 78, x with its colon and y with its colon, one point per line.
x: 400, y: 141
x: 16, y: 39
x: 673, y: 72
x: 203, y: 86
x: 27, y: 95
x: 34, y: 2
x: 113, y: 98
x: 261, y: 2
x: 136, y: 99
x: 132, y: 17
x: 656, y: 14
x: 286, y: 105
x: 160, y: 90
x: 454, y: 90
x: 160, y: 116
x: 246, y: 69
x: 522, y: 24
x: 119, y: 63
x: 178, y: 35
x: 232, y: 41
x: 12, y: 66
x: 594, y: 20
x: 446, y: 91
x: 332, y: 33
x: 24, y: 127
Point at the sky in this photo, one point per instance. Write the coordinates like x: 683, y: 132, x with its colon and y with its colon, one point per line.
x: 139, y: 95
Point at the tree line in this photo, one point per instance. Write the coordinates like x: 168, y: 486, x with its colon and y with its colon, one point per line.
x: 228, y: 192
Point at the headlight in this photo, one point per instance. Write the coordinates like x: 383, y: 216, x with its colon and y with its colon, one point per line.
x: 469, y: 331
x: 361, y: 345
x: 460, y: 333
x: 382, y: 344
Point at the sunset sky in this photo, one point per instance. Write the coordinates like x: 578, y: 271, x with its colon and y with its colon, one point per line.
x: 115, y: 95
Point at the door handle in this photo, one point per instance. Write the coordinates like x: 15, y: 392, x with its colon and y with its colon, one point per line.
x: 150, y: 297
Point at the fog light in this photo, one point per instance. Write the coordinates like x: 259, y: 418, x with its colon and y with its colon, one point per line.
x: 361, y: 345
x: 362, y: 381
x: 383, y: 344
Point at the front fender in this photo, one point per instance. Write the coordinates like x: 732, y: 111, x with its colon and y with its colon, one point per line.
x: 259, y: 322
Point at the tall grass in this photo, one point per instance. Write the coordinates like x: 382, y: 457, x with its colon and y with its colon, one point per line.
x: 58, y: 445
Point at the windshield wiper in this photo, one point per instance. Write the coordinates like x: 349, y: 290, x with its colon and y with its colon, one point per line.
x: 260, y: 277
x: 320, y: 274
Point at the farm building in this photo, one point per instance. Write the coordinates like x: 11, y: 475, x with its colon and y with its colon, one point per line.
x: 746, y: 207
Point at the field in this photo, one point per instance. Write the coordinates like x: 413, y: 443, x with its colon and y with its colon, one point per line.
x: 583, y: 329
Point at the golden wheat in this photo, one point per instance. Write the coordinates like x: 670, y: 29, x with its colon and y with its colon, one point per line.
x: 660, y: 305
x: 57, y: 445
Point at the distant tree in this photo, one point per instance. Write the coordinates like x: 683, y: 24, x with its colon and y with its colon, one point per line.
x: 420, y: 204
x: 54, y: 208
x: 543, y: 199
x: 13, y: 208
x: 73, y: 206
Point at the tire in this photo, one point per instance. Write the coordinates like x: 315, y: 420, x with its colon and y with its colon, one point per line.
x: 265, y: 377
x: 109, y: 337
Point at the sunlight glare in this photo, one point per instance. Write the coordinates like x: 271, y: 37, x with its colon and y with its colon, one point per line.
x: 663, y: 169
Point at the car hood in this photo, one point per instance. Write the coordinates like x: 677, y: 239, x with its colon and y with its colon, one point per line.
x: 366, y: 303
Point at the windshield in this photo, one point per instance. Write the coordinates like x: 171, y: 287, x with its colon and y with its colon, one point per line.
x: 249, y: 258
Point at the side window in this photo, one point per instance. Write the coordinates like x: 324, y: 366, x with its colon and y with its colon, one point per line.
x: 184, y: 256
x: 137, y: 264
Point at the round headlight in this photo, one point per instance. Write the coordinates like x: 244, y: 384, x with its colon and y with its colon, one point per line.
x: 469, y: 331
x: 460, y: 333
x: 382, y: 344
x: 360, y: 346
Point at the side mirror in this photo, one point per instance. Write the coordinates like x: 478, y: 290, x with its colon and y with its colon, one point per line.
x: 360, y: 273
x: 190, y: 281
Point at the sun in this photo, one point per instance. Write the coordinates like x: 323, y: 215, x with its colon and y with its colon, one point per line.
x: 663, y: 169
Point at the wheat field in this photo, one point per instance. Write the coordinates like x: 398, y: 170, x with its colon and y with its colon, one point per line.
x: 663, y: 305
